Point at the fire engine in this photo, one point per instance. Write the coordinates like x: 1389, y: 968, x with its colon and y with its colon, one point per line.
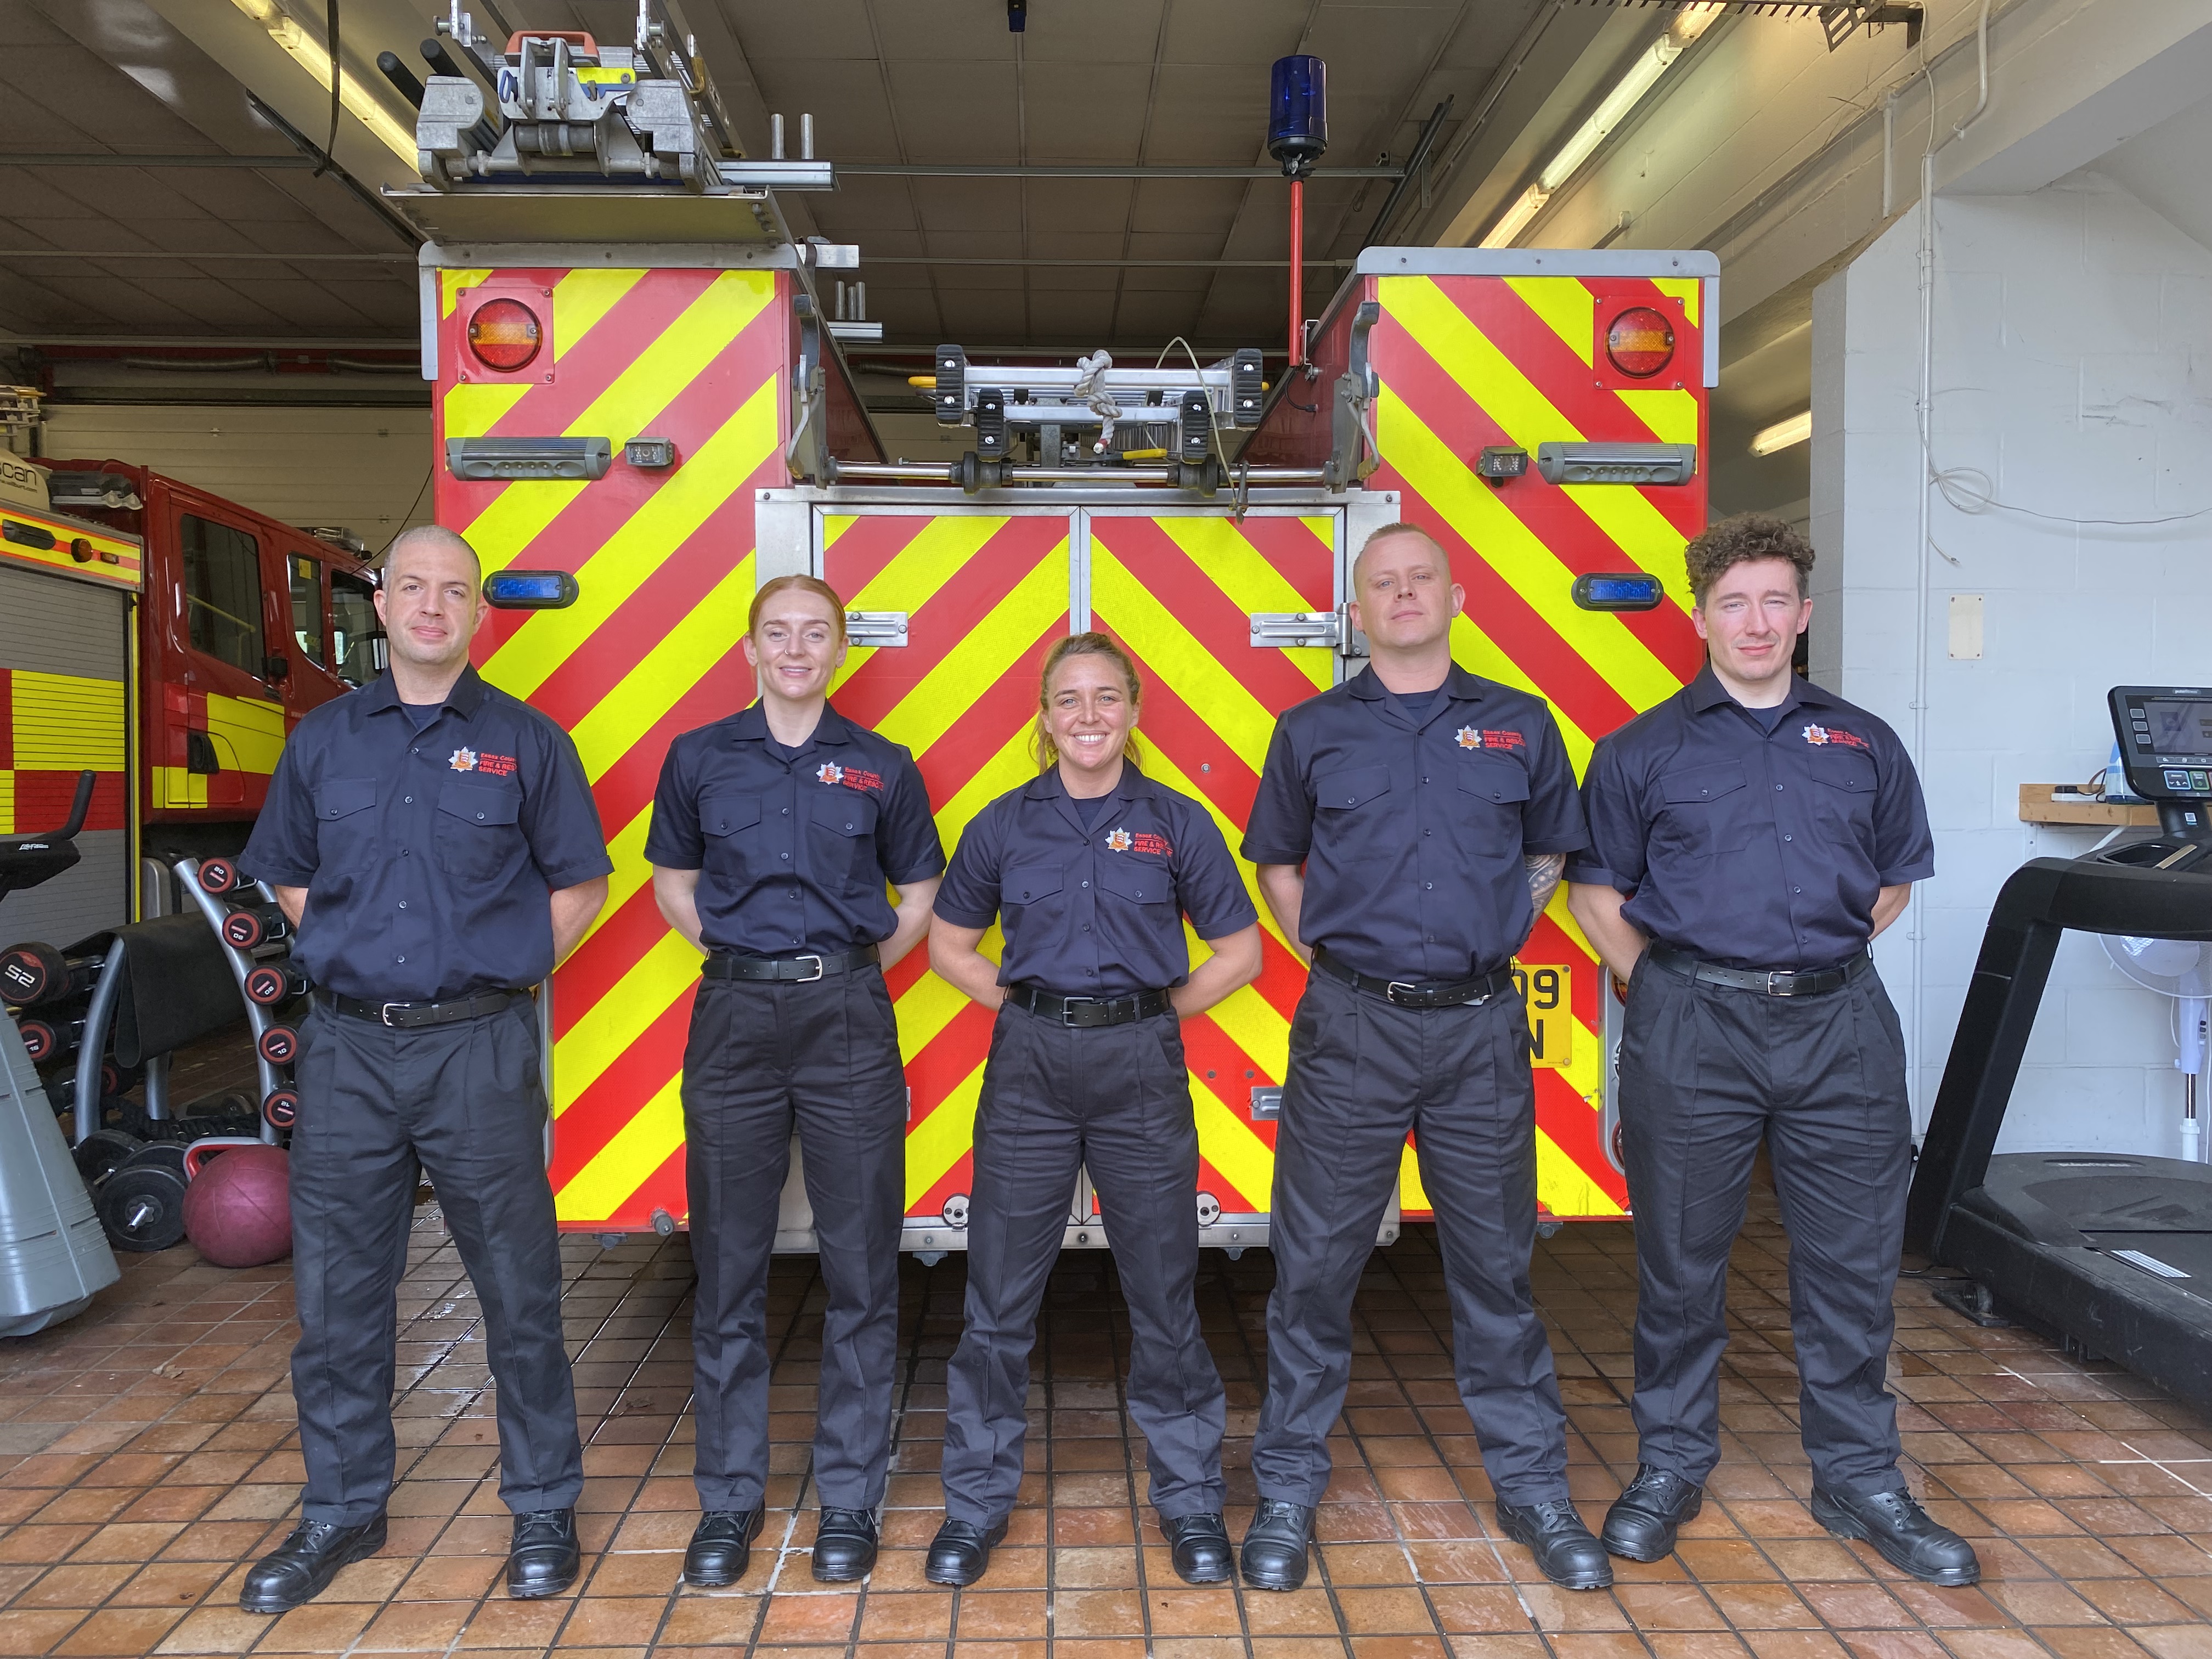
x: 642, y: 409
x: 163, y: 638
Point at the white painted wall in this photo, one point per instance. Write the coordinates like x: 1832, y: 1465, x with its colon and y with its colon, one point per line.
x: 365, y: 469
x: 2073, y: 367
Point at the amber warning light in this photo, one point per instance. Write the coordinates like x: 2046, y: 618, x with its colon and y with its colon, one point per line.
x: 505, y: 336
x: 1641, y: 341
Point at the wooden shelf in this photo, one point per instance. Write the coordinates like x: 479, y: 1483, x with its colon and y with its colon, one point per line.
x: 2057, y: 803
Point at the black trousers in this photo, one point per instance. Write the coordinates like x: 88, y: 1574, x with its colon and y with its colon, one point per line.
x: 464, y: 1103
x: 1707, y: 1072
x: 1115, y: 1100
x: 1363, y: 1073
x: 765, y: 1057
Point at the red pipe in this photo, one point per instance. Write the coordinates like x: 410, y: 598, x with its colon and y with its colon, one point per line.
x: 1298, y: 272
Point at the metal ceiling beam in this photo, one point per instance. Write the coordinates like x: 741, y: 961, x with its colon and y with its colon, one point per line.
x: 274, y: 258
x: 1040, y: 170
x: 224, y: 160
x: 1102, y: 264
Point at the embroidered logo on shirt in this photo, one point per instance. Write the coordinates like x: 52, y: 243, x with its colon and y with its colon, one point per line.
x: 851, y: 777
x: 464, y: 760
x: 1123, y: 840
x: 1469, y: 738
x: 499, y: 766
x: 1824, y: 734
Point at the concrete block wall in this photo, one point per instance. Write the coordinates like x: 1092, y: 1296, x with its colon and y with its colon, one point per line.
x: 2072, y: 371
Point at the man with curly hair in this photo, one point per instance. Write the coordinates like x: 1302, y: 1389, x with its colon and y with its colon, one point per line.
x: 1749, y: 836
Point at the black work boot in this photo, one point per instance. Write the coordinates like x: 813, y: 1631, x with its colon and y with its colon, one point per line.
x: 301, y: 1567
x: 1274, y: 1556
x: 961, y: 1552
x: 844, y: 1545
x: 1902, y: 1533
x: 1198, y: 1546
x: 1569, y: 1556
x: 1643, y: 1520
x: 544, y: 1559
x: 720, y: 1545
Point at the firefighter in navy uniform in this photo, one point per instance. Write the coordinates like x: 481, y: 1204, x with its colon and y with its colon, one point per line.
x: 1090, y: 870
x: 1430, y: 811
x: 775, y: 834
x: 1748, y: 836
x: 435, y: 843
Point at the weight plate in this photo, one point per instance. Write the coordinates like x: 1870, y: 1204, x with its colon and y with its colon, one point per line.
x: 242, y: 928
x: 267, y: 986
x: 141, y: 1206
x: 279, y: 1044
x: 282, y: 1109
x: 218, y: 876
x: 101, y: 1152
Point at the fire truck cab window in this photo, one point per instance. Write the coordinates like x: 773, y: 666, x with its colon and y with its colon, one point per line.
x: 223, y: 594
x: 353, y: 629
x: 307, y: 607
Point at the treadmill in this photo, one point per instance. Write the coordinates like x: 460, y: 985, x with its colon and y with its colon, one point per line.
x: 2113, y: 1252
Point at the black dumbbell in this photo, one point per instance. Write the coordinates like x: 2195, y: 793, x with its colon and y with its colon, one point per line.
x: 100, y: 1153
x: 220, y: 876
x: 141, y: 1201
x: 32, y: 974
x: 280, y: 1109
x: 274, y: 982
x: 279, y: 1045
x: 48, y: 1041
x: 254, y: 924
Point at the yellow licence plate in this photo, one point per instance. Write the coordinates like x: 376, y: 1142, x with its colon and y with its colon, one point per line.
x: 1548, y: 991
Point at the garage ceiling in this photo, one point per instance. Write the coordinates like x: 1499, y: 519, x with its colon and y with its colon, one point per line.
x: 103, y: 253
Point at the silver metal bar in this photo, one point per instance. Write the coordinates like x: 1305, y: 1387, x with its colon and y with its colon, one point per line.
x: 1132, y: 264
x: 288, y: 163
x: 175, y: 257
x: 1102, y: 476
x: 805, y: 174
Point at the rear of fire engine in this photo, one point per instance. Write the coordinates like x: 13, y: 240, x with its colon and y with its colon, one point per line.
x: 642, y: 413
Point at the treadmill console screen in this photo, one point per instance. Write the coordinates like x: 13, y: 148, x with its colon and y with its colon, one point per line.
x: 2164, y: 734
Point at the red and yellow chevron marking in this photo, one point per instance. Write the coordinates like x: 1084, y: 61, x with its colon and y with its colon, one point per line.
x: 1178, y: 591
x: 247, y: 733
x: 1467, y: 362
x: 665, y: 564
x: 985, y: 595
x: 82, y: 550
x: 52, y: 727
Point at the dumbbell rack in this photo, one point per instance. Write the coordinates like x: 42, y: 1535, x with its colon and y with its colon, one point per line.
x: 275, y: 1077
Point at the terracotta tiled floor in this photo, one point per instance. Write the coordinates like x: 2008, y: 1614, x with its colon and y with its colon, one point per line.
x: 146, y: 1453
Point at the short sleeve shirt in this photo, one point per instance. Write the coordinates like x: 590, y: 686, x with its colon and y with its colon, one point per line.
x: 1413, y: 832
x: 1096, y: 910
x: 1750, y: 847
x: 429, y: 856
x: 793, y: 846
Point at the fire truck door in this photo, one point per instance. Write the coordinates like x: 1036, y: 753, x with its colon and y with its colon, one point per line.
x: 952, y: 609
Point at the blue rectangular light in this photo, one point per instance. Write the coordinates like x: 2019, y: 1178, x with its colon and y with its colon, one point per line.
x: 1625, y: 591
x: 529, y: 590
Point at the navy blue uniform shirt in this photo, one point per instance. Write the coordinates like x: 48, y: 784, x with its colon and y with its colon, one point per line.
x: 1096, y: 911
x: 1749, y: 848
x: 429, y: 856
x: 792, y: 848
x: 1413, y: 834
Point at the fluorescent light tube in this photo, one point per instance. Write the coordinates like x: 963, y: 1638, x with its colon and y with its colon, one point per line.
x: 310, y: 56
x: 1530, y: 203
x: 1782, y: 434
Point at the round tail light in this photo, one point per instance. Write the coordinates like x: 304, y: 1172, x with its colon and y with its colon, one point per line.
x: 504, y: 335
x: 1641, y: 341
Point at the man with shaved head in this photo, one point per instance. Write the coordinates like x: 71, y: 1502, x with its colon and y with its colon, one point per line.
x: 434, y: 842
x: 1409, y: 827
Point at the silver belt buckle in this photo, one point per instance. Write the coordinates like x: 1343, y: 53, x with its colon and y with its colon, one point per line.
x: 808, y: 979
x: 1782, y: 983
x: 1067, y: 1006
x: 1391, y: 990
x: 385, y: 1014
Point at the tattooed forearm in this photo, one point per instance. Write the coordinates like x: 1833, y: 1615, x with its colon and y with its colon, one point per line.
x: 1544, y: 871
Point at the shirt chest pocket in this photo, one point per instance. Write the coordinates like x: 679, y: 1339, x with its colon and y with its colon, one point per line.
x: 1353, y: 815
x: 1039, y: 885
x: 844, y: 841
x: 736, y: 846
x: 1492, y: 792
x: 1129, y: 881
x: 1843, y: 787
x: 477, y: 835
x: 345, y: 823
x: 1707, y: 811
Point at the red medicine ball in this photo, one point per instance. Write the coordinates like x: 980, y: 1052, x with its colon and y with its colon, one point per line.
x: 238, y: 1211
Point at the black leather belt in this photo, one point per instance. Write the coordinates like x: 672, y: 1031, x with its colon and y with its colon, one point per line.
x: 1411, y: 993
x: 1085, y: 1012
x: 1782, y: 983
x: 407, y: 1016
x: 724, y: 964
